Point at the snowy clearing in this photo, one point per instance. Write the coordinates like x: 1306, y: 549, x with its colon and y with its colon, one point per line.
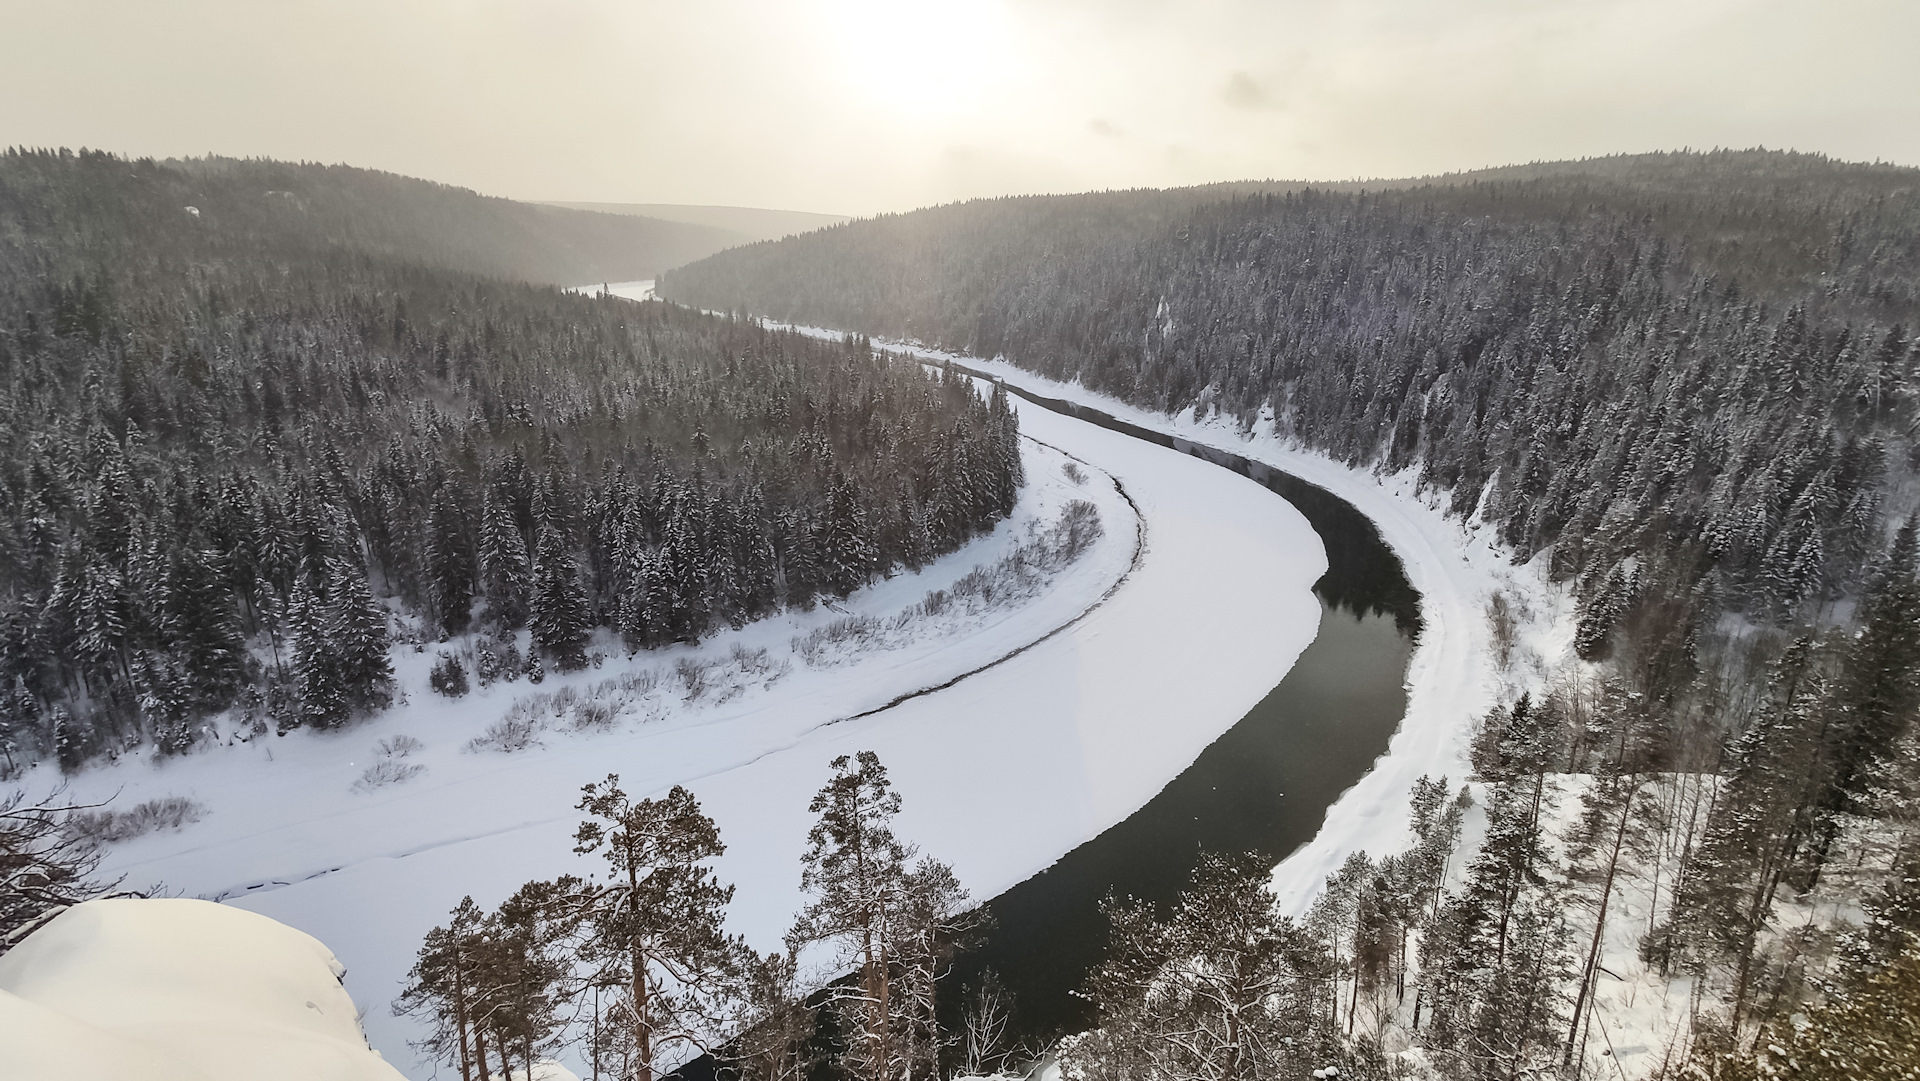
x: 1003, y: 771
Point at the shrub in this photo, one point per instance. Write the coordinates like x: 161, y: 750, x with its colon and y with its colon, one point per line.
x: 449, y: 676
x: 495, y: 661
x: 171, y: 812
x: 387, y: 771
x: 508, y: 734
x: 1022, y: 573
x: 398, y: 747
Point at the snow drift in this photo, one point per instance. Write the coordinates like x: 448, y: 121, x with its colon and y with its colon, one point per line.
x: 177, y: 990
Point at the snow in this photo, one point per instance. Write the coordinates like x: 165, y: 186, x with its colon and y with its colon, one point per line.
x: 640, y: 290
x: 1137, y: 656
x: 1457, y: 566
x: 1640, y: 1026
x: 171, y: 990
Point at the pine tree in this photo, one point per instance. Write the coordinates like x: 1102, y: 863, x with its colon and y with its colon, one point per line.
x: 1867, y: 1032
x: 529, y: 968
x: 1223, y: 986
x: 855, y: 870
x: 773, y: 1035
x: 934, y: 922
x: 655, y: 927
x: 44, y: 865
x: 440, y: 988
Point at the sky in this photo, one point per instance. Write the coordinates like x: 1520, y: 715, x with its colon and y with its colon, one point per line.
x: 868, y: 106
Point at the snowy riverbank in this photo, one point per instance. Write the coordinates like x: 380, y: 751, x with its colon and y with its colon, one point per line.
x: 1457, y: 566
x: 1002, y: 772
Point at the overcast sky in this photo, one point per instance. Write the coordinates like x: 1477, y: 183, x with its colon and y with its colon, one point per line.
x: 858, y: 106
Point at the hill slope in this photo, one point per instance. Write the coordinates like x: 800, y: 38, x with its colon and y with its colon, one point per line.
x: 228, y: 432
x: 748, y: 223
x: 107, y: 207
x: 1685, y: 384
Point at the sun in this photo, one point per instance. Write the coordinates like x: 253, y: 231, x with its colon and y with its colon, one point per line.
x: 923, y: 57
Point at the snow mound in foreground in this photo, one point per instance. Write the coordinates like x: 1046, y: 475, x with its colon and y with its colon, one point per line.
x: 178, y: 990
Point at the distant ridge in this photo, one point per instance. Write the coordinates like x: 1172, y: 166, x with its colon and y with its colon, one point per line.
x: 1682, y: 171
x: 115, y: 209
x: 749, y: 223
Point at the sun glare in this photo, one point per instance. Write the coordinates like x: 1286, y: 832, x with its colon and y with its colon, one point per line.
x: 923, y: 57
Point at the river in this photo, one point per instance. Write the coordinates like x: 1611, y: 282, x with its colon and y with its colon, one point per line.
x: 1262, y: 787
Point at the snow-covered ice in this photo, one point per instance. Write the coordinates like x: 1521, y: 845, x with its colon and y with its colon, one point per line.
x: 1452, y: 678
x: 1002, y: 773
x: 177, y: 990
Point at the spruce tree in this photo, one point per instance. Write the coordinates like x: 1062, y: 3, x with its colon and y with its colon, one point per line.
x: 358, y: 625
x: 1878, y: 689
x: 848, y: 546
x: 450, y: 561
x: 504, y: 564
x: 19, y: 720
x: 319, y: 671
x: 561, y: 620
x: 206, y: 623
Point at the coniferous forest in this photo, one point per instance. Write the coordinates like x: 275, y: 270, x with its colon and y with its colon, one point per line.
x: 1690, y: 384
x: 260, y: 423
x: 252, y: 414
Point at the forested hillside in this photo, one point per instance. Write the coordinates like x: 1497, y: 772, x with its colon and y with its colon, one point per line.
x: 241, y: 450
x: 1623, y: 362
x: 103, y: 208
x: 1690, y: 383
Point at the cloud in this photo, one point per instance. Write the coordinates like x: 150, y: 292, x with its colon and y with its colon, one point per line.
x: 1243, y: 91
x: 855, y: 105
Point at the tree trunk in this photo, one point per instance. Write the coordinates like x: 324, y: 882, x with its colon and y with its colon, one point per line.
x: 883, y: 1011
x: 460, y: 1010
x: 642, y: 1031
x: 1353, y: 1002
x: 1599, y: 924
x: 637, y: 962
x: 1400, y: 969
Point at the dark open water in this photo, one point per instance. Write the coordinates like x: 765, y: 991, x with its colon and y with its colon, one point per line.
x: 1263, y: 787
